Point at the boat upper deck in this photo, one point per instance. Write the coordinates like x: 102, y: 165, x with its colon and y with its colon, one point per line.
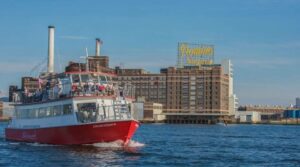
x: 74, y: 85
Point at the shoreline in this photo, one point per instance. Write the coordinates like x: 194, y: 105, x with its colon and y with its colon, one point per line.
x: 242, y: 123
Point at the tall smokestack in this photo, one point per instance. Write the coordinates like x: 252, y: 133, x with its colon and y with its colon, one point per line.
x: 98, y: 46
x: 51, y: 49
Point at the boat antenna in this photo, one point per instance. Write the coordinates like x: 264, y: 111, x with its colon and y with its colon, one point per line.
x: 86, y: 57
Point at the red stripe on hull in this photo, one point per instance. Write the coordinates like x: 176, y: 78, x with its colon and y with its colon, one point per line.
x: 76, y: 134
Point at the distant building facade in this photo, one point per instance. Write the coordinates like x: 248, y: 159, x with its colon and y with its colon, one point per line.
x: 153, y: 111
x: 147, y: 111
x: 190, y: 90
x: 30, y: 84
x: 297, y: 102
x: 7, y: 109
x: 12, y: 90
x: 291, y: 114
x: 1, y: 109
x: 267, y: 112
x: 248, y: 117
x: 233, y: 100
x: 263, y: 108
x: 94, y: 64
x: 182, y: 90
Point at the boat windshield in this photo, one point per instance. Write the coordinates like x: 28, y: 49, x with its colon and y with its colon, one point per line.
x: 86, y: 112
x: 93, y: 112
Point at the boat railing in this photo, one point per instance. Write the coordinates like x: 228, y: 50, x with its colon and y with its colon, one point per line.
x: 73, y: 90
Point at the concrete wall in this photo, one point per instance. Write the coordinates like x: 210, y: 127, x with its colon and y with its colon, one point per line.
x: 147, y: 111
x: 137, y: 110
x: 249, y: 116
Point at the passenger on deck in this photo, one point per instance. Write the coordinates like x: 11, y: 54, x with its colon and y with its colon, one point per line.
x: 60, y: 87
x: 55, y: 91
x: 101, y: 89
x: 86, y: 88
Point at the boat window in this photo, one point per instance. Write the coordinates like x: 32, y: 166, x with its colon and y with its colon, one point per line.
x: 57, y: 111
x: 17, y: 113
x: 115, y: 79
x: 36, y: 112
x: 86, y: 112
x: 65, y: 81
x: 42, y: 112
x: 67, y: 109
x: 103, y: 80
x: 84, y: 78
x: 75, y: 78
x: 23, y: 113
x: 32, y: 113
x: 49, y: 111
x: 94, y: 78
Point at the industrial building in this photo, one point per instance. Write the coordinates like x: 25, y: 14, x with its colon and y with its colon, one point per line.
x: 203, y: 91
x: 196, y: 91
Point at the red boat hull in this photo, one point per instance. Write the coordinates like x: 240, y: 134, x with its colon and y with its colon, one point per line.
x: 76, y: 134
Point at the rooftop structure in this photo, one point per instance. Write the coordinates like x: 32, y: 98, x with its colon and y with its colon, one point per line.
x: 263, y: 108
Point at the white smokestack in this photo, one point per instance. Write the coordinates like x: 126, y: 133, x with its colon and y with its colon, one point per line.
x: 98, y: 46
x: 51, y: 49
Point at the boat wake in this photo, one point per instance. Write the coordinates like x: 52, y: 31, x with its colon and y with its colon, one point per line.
x: 114, y: 144
x: 117, y: 144
x: 32, y: 144
x: 133, y: 143
x: 41, y: 145
x: 133, y: 147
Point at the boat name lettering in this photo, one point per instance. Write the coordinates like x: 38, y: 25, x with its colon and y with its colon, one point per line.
x: 104, y: 125
x: 28, y: 136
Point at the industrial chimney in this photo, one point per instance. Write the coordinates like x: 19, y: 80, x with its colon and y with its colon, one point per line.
x: 98, y: 45
x: 51, y: 49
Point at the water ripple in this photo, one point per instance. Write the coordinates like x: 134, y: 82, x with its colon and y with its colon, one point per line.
x: 169, y: 145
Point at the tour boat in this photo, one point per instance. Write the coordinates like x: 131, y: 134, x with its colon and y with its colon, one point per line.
x: 73, y: 108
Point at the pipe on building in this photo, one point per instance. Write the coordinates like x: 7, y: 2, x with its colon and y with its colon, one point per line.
x: 51, y: 49
x: 98, y: 46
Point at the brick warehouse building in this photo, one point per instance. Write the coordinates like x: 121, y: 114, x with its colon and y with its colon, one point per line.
x: 191, y: 94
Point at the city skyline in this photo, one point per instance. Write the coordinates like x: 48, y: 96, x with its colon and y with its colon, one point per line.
x: 260, y: 37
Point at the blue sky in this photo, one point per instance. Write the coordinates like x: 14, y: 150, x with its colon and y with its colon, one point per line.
x: 261, y: 37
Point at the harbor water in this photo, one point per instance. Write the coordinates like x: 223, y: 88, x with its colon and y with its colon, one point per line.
x: 169, y: 145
